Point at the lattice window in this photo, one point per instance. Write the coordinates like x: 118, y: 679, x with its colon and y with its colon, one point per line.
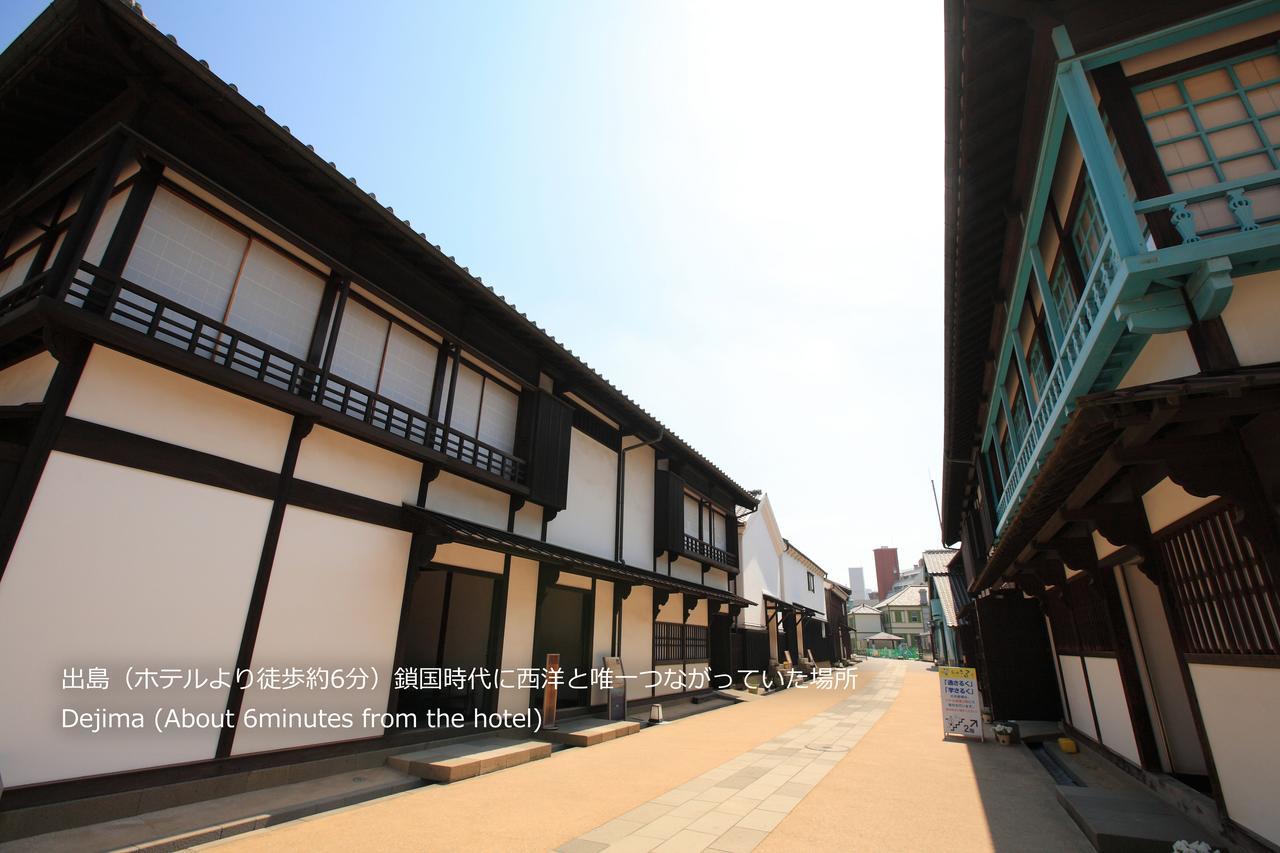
x: 695, y: 642
x: 1222, y: 586
x: 1220, y: 122
x: 668, y: 642
x: 1089, y: 231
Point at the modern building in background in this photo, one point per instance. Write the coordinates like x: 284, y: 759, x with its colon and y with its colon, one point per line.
x: 857, y: 584
x: 914, y: 576
x: 254, y: 422
x: 1112, y: 437
x: 886, y: 563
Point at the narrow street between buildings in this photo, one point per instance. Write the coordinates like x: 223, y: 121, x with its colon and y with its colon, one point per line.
x: 806, y: 768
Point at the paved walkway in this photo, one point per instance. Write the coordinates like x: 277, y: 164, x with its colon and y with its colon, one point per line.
x: 806, y: 769
x: 734, y: 806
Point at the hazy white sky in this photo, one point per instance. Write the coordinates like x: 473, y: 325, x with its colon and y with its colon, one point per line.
x: 732, y: 210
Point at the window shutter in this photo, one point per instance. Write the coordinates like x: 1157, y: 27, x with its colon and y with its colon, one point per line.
x: 668, y: 515
x: 465, y: 414
x: 549, y: 459
x: 357, y: 357
x: 408, y: 370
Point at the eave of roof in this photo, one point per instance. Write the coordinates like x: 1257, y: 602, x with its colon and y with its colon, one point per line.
x: 804, y: 557
x: 446, y: 528
x: 1091, y: 431
x: 50, y: 23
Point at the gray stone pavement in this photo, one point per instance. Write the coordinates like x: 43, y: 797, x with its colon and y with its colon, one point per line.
x: 735, y: 806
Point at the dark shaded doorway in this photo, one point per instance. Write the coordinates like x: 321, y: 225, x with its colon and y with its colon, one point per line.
x: 448, y: 628
x: 564, y: 625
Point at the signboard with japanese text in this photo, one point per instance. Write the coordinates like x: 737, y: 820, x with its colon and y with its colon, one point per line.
x: 961, y: 706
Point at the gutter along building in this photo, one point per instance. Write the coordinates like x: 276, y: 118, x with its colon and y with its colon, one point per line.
x: 252, y: 420
x: 1111, y: 445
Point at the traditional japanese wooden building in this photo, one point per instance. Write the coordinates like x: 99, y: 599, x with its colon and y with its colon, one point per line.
x: 253, y: 421
x: 1112, y: 391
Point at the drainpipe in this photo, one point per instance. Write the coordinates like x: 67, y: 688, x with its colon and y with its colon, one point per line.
x: 622, y: 482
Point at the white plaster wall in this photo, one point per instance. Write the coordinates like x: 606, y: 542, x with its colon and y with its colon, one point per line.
x: 637, y: 638
x: 517, y: 641
x: 27, y: 381
x: 795, y: 585
x: 698, y: 677
x: 122, y: 392
x: 1057, y: 668
x: 1109, y: 702
x: 673, y: 610
x: 759, y: 564
x: 637, y: 506
x: 586, y: 524
x: 1103, y: 546
x: 686, y: 569
x: 469, y: 557
x: 668, y: 680
x: 575, y: 581
x: 717, y: 578
x: 698, y: 615
x: 601, y: 634
x: 528, y: 520
x: 1250, y: 318
x: 1077, y: 694
x: 1140, y: 660
x: 1172, y: 704
x: 471, y: 501
x: 1167, y: 502
x: 339, y: 461
x: 1246, y: 752
x: 1166, y: 356
x: 157, y: 573
x: 333, y: 601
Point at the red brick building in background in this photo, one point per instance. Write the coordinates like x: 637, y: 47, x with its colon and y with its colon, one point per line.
x: 886, y: 568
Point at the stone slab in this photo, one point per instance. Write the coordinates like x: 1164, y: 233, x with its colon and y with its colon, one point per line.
x: 1124, y: 822
x: 466, y: 759
x: 589, y: 731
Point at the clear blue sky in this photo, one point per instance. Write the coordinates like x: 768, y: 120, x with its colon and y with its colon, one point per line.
x: 744, y: 196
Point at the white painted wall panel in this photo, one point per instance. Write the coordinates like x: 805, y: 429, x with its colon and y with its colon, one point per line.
x: 601, y: 635
x: 587, y: 522
x: 1072, y: 670
x: 468, y: 557
x: 637, y: 506
x: 339, y: 461
x: 28, y: 380
x: 1172, y: 705
x: 686, y: 569
x: 795, y: 583
x: 760, y: 563
x: 1168, y: 502
x: 464, y: 499
x: 717, y: 578
x: 517, y: 643
x: 1246, y: 752
x: 333, y: 601
x: 1166, y: 356
x: 157, y: 574
x: 637, y: 638
x: 1113, y: 712
x: 1250, y: 318
x: 528, y: 521
x: 122, y: 392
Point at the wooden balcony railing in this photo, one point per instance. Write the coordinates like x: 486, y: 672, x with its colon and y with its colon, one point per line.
x: 695, y: 546
x: 1234, y: 193
x: 161, y: 319
x: 1076, y: 335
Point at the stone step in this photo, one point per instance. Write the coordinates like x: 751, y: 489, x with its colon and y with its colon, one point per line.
x: 460, y: 760
x: 1123, y: 822
x: 588, y: 731
x: 185, y: 826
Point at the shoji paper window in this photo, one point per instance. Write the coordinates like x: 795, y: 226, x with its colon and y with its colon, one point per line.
x: 484, y: 408
x: 384, y: 357
x: 201, y: 262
